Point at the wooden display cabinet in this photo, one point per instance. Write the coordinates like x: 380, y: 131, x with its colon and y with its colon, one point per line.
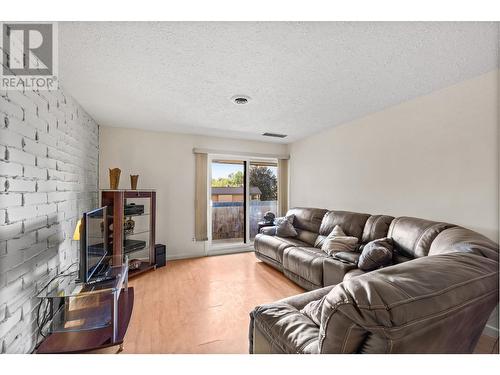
x: 131, y: 230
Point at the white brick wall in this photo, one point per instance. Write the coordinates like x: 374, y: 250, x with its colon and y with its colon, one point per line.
x: 48, y: 177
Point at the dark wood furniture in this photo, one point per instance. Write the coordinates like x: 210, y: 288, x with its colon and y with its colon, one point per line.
x: 144, y: 229
x: 84, y: 341
x: 86, y: 317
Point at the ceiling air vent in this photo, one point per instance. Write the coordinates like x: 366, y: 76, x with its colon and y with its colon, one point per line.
x: 275, y: 135
x: 240, y: 99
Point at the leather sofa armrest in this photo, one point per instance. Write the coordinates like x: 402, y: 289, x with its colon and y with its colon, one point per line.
x: 300, y: 300
x: 258, y: 341
x: 281, y: 328
x: 348, y: 256
x: 335, y: 269
x: 270, y: 231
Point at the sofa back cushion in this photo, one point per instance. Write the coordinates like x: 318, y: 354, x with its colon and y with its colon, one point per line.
x: 306, y: 236
x: 376, y: 227
x: 307, y: 222
x: 464, y: 240
x: 307, y: 218
x: 352, y: 223
x: 413, y: 236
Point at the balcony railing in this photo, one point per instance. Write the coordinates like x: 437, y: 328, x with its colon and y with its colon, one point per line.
x: 228, y: 218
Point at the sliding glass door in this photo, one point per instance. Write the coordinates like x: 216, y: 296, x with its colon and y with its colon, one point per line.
x: 263, y: 181
x: 228, y: 201
x: 241, y: 192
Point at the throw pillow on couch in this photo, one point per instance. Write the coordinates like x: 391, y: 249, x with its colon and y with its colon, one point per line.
x: 376, y: 254
x: 284, y: 226
x: 337, y: 241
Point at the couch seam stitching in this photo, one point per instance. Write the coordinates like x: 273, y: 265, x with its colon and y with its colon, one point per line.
x: 442, y: 291
x: 417, y: 298
x: 346, y: 337
x: 437, y: 315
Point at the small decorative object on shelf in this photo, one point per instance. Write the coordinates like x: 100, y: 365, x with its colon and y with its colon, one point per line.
x: 135, y: 264
x: 114, y: 178
x: 133, y: 181
x: 128, y: 226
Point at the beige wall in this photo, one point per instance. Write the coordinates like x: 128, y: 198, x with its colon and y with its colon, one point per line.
x: 165, y: 161
x: 434, y: 157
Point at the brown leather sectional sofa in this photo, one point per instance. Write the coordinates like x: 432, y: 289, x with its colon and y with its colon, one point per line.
x: 435, y: 298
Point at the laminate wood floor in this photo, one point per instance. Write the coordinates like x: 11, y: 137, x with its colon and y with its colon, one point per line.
x: 202, y: 305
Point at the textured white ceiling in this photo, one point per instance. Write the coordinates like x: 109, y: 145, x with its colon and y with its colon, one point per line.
x: 302, y: 77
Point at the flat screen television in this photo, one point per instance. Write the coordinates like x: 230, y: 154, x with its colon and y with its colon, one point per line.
x: 93, y: 244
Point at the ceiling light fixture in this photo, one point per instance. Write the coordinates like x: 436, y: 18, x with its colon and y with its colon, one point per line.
x: 240, y: 99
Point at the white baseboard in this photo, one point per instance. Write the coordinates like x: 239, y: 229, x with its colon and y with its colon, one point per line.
x: 214, y: 252
x: 184, y: 256
x: 243, y: 249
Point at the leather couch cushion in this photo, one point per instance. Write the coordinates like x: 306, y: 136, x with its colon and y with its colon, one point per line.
x: 334, y: 270
x: 305, y: 262
x: 273, y: 247
x: 376, y: 227
x: 270, y: 231
x: 352, y: 223
x: 398, y: 258
x: 292, y: 241
x: 353, y: 273
x: 376, y: 254
x: 300, y: 300
x: 413, y: 237
x: 285, y: 329
x: 348, y: 256
x: 307, y: 218
x: 464, y: 240
x: 306, y: 236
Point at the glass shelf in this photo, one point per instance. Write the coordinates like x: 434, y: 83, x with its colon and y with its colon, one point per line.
x: 129, y: 190
x: 76, y: 306
x: 137, y: 233
x: 83, y: 313
x: 70, y: 287
x: 134, y: 250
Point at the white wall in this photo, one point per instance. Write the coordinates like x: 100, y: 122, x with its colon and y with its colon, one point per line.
x: 165, y: 162
x: 434, y: 157
x: 48, y: 177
